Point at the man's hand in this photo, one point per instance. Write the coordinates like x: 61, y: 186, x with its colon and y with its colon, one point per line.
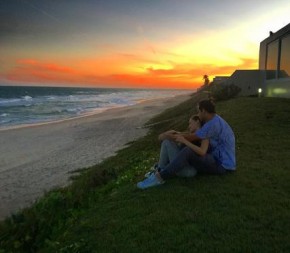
x: 180, y: 138
x: 170, y: 132
x: 168, y: 135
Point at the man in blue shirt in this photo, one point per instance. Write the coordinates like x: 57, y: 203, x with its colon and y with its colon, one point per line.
x: 219, y: 158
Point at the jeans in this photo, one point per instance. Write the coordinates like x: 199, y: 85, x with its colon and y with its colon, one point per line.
x: 169, y: 150
x: 187, y: 157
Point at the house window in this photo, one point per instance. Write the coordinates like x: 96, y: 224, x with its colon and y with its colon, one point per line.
x: 272, y: 59
x: 285, y: 57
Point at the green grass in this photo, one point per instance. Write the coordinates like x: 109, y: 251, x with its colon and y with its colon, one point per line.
x: 102, y: 211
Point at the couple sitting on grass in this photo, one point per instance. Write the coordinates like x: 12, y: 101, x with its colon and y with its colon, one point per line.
x: 208, y: 148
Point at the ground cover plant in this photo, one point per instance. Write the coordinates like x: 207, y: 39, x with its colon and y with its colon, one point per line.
x: 103, y: 211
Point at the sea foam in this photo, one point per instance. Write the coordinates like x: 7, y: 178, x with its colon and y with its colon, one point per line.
x: 26, y: 105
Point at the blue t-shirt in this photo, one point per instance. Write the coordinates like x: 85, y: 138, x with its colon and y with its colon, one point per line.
x: 221, y: 140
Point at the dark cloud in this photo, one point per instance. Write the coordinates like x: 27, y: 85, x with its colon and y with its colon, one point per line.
x: 19, y: 17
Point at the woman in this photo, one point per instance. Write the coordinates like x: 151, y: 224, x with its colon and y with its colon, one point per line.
x: 173, y: 142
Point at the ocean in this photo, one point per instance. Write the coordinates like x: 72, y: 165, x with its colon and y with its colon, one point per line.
x: 21, y: 105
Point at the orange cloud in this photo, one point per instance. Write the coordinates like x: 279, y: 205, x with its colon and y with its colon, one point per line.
x: 30, y: 70
x: 120, y: 70
x: 187, y: 72
x: 37, y: 65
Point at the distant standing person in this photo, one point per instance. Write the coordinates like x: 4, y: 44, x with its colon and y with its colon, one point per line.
x: 221, y: 154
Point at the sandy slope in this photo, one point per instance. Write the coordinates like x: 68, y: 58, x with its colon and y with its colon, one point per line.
x: 35, y: 159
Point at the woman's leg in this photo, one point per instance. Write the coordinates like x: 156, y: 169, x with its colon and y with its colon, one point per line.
x: 187, y: 171
x: 168, y: 152
x: 187, y: 157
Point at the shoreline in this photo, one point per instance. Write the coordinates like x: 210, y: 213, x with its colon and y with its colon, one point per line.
x: 38, y: 158
x: 88, y: 114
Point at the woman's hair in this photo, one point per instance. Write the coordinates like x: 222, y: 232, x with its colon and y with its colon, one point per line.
x: 195, y: 118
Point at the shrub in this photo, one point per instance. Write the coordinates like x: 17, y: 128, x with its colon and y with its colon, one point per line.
x: 224, y: 92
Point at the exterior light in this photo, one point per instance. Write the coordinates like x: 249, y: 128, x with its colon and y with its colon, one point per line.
x: 260, y: 90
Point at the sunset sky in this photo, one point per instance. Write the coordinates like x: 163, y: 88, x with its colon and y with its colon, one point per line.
x: 132, y: 43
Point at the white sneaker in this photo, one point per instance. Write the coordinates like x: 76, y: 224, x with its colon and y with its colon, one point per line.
x: 152, y: 171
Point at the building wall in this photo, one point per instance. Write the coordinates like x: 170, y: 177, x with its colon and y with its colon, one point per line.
x: 248, y: 80
x: 220, y: 79
x: 277, y: 88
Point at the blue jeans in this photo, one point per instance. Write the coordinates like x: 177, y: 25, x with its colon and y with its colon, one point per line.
x: 187, y: 157
x: 169, y: 150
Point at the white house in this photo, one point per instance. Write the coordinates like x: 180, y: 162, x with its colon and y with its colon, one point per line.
x: 273, y: 75
x: 274, y: 57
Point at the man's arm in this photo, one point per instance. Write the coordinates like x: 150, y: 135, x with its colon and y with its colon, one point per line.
x: 200, y: 150
x: 168, y: 135
x: 191, y: 137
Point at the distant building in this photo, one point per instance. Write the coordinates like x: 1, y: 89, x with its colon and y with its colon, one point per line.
x: 220, y: 79
x: 250, y: 81
x: 273, y: 75
x: 274, y: 58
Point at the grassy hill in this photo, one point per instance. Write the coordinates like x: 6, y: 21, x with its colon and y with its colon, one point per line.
x: 103, y: 211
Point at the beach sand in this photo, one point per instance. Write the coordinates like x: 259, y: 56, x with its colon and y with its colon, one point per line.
x: 36, y: 159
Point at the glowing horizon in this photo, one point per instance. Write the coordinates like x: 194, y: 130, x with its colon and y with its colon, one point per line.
x: 110, y: 45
